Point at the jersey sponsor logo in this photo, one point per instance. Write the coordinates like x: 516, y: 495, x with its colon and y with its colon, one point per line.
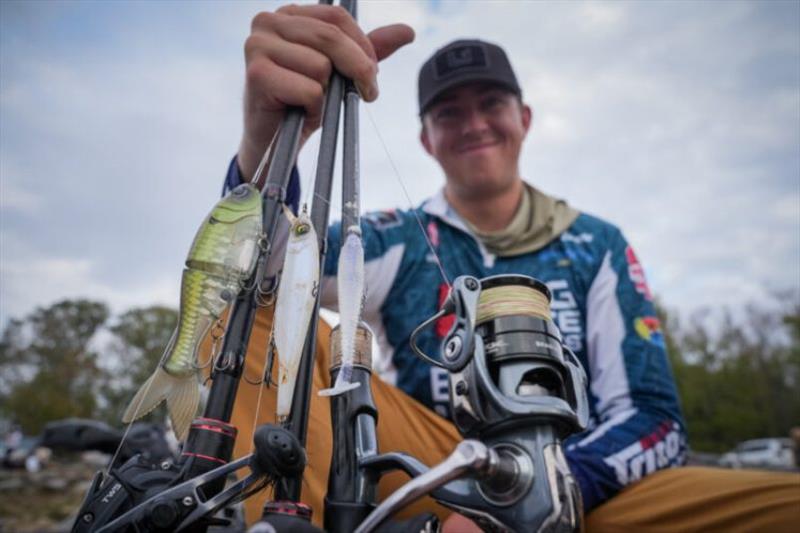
x: 578, y: 239
x: 566, y: 314
x: 649, y: 328
x: 440, y: 390
x: 433, y: 233
x: 636, y: 274
x: 383, y: 219
x: 440, y: 384
x: 660, y: 449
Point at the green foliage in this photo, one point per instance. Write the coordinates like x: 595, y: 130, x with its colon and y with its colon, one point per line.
x: 738, y: 379
x: 49, y: 369
x: 141, y: 336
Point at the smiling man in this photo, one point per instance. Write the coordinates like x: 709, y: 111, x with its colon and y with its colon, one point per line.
x: 485, y: 221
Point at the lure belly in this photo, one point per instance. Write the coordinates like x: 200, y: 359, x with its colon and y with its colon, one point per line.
x: 294, y: 305
x: 350, y: 285
x: 222, y: 256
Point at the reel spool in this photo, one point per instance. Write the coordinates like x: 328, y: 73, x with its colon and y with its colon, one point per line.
x: 523, y: 369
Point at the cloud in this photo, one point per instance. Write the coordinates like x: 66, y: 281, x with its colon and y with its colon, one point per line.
x: 676, y: 121
x: 30, y: 281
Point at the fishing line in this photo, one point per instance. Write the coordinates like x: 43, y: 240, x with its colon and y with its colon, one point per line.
x: 264, y: 163
x: 258, y: 405
x: 408, y: 198
x: 148, y: 384
x: 310, y: 185
x: 507, y: 300
x: 129, y: 426
x: 320, y: 197
x: 261, y: 385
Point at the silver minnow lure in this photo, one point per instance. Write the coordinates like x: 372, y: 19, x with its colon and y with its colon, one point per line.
x: 295, y: 305
x: 350, y: 285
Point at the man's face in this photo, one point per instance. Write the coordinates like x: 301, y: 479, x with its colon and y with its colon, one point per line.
x: 475, y: 132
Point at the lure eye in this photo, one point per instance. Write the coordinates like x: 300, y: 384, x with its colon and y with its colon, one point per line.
x: 240, y: 191
x: 302, y: 229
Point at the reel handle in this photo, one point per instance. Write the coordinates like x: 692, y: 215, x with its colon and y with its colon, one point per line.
x: 469, y: 457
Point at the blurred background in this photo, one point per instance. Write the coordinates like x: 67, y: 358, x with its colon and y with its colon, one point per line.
x: 678, y: 121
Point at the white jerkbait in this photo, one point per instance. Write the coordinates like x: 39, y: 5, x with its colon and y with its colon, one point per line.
x: 295, y: 305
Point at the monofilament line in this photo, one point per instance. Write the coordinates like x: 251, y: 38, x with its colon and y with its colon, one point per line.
x: 130, y: 425
x: 408, y: 199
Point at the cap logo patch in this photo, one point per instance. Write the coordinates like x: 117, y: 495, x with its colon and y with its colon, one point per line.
x: 468, y: 56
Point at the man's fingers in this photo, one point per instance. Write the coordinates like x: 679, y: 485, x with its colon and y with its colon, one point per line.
x: 347, y: 56
x: 338, y: 16
x: 289, y: 57
x: 386, y: 40
x: 281, y: 87
x: 295, y: 57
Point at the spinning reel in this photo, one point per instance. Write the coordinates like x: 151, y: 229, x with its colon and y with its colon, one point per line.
x: 516, y: 391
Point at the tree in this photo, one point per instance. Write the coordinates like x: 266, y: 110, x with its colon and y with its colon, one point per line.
x: 49, y: 370
x: 141, y: 336
x: 738, y: 378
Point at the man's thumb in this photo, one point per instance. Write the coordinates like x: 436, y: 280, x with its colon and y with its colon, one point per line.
x: 387, y: 39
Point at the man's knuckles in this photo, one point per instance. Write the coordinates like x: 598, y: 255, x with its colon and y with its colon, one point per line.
x: 301, y: 59
x: 264, y: 21
x: 259, y: 75
x: 254, y: 46
x: 333, y: 14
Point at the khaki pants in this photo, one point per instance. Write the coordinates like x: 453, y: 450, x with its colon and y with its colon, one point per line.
x: 679, y: 499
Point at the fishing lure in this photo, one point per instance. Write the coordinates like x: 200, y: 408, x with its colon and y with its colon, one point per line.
x: 222, y: 256
x: 350, y: 285
x: 295, y: 305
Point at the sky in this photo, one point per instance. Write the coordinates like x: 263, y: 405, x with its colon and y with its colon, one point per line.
x: 677, y: 121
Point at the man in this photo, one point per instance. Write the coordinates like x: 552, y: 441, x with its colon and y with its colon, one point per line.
x: 485, y: 221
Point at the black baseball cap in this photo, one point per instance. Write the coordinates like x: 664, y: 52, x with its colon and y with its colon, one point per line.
x: 464, y: 61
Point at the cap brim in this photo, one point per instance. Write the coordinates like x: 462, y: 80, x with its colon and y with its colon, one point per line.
x: 463, y: 79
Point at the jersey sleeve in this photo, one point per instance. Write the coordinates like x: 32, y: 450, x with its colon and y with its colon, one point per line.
x: 639, y: 426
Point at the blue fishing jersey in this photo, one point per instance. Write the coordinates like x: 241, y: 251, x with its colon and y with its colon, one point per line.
x: 600, y: 302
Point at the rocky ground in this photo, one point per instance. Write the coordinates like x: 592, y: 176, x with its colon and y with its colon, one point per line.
x: 45, y: 501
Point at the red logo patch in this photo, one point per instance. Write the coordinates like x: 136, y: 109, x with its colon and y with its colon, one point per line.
x: 636, y: 273
x: 433, y: 234
x: 444, y: 324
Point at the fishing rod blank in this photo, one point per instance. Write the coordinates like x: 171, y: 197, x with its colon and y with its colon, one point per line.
x: 320, y: 209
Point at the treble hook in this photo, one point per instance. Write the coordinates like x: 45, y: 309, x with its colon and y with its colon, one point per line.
x: 263, y: 247
x: 265, y: 297
x: 217, y: 333
x: 224, y: 363
x: 266, y: 379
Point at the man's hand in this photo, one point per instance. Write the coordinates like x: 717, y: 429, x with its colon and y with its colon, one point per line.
x: 289, y: 56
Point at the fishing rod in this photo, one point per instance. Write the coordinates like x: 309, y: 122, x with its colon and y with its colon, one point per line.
x: 320, y: 214
x: 167, y: 496
x: 516, y: 391
x: 211, y: 437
